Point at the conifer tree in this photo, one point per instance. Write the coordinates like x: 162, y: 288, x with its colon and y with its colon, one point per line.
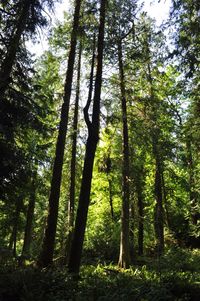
x: 92, y: 140
x: 46, y: 255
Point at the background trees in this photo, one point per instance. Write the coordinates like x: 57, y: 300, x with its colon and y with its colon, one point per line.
x: 140, y: 133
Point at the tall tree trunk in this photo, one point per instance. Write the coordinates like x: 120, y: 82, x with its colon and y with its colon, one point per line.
x: 109, y: 179
x: 13, y: 240
x: 9, y: 60
x: 93, y: 137
x: 158, y: 210
x: 131, y: 231
x: 165, y: 201
x: 158, y: 213
x: 110, y: 196
x: 73, y: 161
x: 46, y: 255
x: 29, y: 220
x: 193, y: 197
x: 124, y: 257
x: 141, y: 218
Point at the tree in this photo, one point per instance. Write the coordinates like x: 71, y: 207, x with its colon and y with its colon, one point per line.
x: 93, y: 137
x: 46, y: 255
x: 123, y: 25
x: 185, y: 15
x: 20, y: 112
x: 124, y: 257
x: 29, y: 218
x: 71, y: 202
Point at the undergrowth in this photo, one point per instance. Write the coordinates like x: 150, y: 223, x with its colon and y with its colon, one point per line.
x: 175, y: 276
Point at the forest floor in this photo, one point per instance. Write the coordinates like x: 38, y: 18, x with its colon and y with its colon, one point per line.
x: 174, y: 276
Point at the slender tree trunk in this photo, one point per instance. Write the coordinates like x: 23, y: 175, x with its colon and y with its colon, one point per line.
x: 73, y: 161
x: 141, y: 219
x: 110, y: 196
x: 131, y: 232
x: 9, y: 60
x: 93, y: 137
x: 124, y: 257
x: 165, y: 201
x: 46, y: 255
x: 29, y: 221
x: 158, y: 214
x: 158, y: 211
x: 193, y: 198
x: 13, y: 240
x: 109, y: 179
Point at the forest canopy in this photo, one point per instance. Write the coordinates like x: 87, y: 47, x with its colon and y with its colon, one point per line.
x: 99, y: 151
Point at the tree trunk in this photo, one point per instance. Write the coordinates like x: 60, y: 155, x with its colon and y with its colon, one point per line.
x: 193, y: 197
x: 124, y: 257
x: 93, y: 137
x: 9, y: 60
x: 158, y: 210
x: 46, y: 255
x: 109, y: 179
x: 29, y: 221
x: 13, y: 240
x: 158, y: 214
x: 165, y: 202
x: 131, y: 231
x: 73, y: 162
x: 110, y: 196
x: 141, y: 219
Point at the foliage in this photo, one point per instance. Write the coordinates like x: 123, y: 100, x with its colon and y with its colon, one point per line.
x: 174, y: 277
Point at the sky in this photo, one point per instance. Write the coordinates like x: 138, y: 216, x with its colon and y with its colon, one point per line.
x: 158, y: 9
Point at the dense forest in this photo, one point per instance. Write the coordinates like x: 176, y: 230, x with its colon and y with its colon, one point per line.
x: 99, y: 152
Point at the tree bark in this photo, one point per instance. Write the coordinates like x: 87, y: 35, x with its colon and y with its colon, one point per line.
x: 124, y: 257
x: 110, y: 197
x: 71, y: 202
x: 141, y: 219
x: 93, y: 137
x: 29, y: 221
x: 165, y: 202
x: 158, y: 214
x: 13, y: 240
x: 9, y: 60
x: 192, y: 193
x: 46, y: 255
x: 158, y: 210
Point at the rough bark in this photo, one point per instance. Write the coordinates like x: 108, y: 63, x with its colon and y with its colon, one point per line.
x: 71, y: 202
x: 9, y: 60
x: 46, y: 255
x: 93, y: 137
x: 124, y: 257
